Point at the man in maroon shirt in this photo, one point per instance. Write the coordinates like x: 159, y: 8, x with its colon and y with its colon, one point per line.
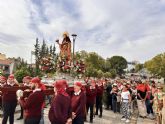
x: 33, y: 104
x: 99, y: 97
x: 78, y: 102
x: 60, y: 110
x: 9, y: 101
x: 2, y: 83
x: 91, y: 92
x: 26, y: 83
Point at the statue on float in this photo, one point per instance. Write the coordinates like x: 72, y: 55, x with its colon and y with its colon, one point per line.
x: 65, y: 47
x: 65, y: 52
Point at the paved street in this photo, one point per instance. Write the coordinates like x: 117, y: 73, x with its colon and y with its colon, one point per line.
x: 108, y: 118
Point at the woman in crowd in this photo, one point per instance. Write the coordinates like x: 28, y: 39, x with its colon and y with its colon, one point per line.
x: 60, y: 110
x: 114, y: 93
x: 78, y: 102
x: 158, y: 103
x: 163, y: 110
x: 126, y: 100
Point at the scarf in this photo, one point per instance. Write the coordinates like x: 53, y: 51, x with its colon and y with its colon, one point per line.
x: 62, y: 92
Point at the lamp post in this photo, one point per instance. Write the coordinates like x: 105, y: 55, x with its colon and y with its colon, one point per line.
x: 74, y: 38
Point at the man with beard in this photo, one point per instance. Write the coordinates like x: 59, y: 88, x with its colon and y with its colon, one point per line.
x: 32, y: 108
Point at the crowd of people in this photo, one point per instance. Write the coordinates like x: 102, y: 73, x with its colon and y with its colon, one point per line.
x: 71, y: 105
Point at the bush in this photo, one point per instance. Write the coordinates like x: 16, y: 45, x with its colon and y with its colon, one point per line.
x: 19, y: 74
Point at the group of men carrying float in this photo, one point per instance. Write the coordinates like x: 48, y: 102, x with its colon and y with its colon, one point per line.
x: 69, y: 105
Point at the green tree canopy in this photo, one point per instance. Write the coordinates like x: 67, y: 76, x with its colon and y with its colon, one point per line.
x: 118, y: 63
x: 19, y: 74
x: 138, y: 67
x: 156, y: 65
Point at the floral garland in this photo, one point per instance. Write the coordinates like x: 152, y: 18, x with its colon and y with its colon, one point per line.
x: 47, y: 64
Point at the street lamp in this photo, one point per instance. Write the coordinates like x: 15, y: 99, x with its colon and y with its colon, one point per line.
x: 74, y: 38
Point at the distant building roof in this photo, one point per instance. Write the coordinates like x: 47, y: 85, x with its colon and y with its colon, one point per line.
x: 5, y: 62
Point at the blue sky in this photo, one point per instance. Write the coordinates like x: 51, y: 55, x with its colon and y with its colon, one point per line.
x: 130, y: 28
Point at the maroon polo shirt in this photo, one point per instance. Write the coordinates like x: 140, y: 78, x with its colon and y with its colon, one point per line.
x: 78, y: 103
x: 9, y: 96
x: 91, y: 95
x: 33, y: 105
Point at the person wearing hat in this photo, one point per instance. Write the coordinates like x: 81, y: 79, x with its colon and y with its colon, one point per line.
x: 32, y: 108
x: 2, y: 83
x: 9, y: 101
x: 12, y: 80
x: 60, y: 110
x: 25, y: 83
x: 91, y: 92
x: 78, y: 102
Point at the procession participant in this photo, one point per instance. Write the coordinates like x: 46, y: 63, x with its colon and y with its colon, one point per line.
x: 32, y: 108
x: 125, y: 102
x: 78, y: 102
x: 141, y: 98
x: 9, y: 101
x: 2, y: 83
x: 14, y: 80
x: 26, y: 83
x: 43, y: 88
x: 91, y: 92
x: 60, y: 110
x: 99, y: 97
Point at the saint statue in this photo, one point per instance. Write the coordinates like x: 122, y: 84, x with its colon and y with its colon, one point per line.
x: 65, y: 47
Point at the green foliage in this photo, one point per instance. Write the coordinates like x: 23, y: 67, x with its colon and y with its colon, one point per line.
x: 91, y: 72
x: 96, y: 66
x: 118, y: 63
x: 19, y: 74
x: 42, y: 52
x: 156, y: 65
x: 107, y: 75
x: 100, y: 73
x: 138, y: 67
x: 113, y: 73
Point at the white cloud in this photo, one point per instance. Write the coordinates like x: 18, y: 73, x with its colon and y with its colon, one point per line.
x: 132, y: 28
